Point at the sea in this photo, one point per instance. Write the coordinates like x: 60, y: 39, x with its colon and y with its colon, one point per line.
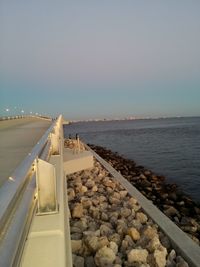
x: 167, y: 146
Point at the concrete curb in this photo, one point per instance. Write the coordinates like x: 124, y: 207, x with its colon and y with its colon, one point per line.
x: 180, y: 241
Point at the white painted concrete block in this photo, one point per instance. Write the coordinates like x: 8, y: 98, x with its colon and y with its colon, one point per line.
x: 77, y: 162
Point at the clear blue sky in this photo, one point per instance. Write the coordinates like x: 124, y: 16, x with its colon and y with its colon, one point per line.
x: 90, y: 59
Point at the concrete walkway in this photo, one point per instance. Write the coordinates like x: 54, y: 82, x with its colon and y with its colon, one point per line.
x: 17, y: 138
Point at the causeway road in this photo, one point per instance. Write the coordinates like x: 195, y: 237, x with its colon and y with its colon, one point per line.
x: 17, y: 138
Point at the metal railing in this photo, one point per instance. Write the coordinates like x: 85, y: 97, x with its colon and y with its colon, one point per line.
x: 18, y: 199
x: 5, y: 118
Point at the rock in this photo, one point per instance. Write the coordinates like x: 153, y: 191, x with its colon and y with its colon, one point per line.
x: 114, y: 200
x: 172, y: 255
x: 86, y: 203
x: 104, y: 216
x: 159, y: 257
x: 76, y: 245
x: 104, y: 257
x: 132, y: 202
x: 137, y: 255
x: 147, y: 173
x: 77, y: 211
x: 89, y: 262
x: 81, y: 224
x: 76, y: 236
x: 136, y: 224
x: 125, y: 212
x: 123, y: 194
x: 126, y: 244
x: 150, y: 232
x: 142, y: 176
x: 90, y: 183
x: 93, y: 226
x: 171, y: 211
x: 153, y: 244
x: 141, y: 217
x: 103, y: 241
x: 114, y: 247
x: 133, y: 232
x: 70, y: 194
x: 165, y: 242
x: 94, y: 188
x: 116, y: 195
x: 109, y: 183
x: 83, y: 189
x: 75, y: 229
x: 105, y: 230
x: 170, y: 263
x: 92, y: 243
x: 102, y: 199
x: 115, y: 238
x: 121, y: 229
x: 142, y: 242
x: 77, y: 261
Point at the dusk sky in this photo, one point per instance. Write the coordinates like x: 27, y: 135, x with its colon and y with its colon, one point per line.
x: 97, y: 59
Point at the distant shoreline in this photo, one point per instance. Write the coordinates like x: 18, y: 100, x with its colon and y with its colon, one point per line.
x: 133, y: 119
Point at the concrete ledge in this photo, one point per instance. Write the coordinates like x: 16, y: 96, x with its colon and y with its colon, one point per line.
x: 77, y: 162
x: 180, y: 241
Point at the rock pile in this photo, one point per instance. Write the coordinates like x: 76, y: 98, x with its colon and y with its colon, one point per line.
x: 109, y: 228
x: 180, y: 208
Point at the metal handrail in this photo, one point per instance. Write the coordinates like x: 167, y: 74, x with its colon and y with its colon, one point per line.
x: 4, y: 118
x: 17, y: 202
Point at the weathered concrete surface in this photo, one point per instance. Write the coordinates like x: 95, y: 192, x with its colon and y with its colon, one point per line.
x: 17, y: 138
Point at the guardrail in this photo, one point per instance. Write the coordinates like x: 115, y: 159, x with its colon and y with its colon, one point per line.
x: 4, y: 118
x: 18, y: 198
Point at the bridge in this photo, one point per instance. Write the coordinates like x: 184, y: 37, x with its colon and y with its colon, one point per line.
x: 34, y: 214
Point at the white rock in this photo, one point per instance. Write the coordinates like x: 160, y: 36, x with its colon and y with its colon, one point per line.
x: 104, y: 257
x: 160, y: 257
x: 137, y: 255
x: 114, y: 247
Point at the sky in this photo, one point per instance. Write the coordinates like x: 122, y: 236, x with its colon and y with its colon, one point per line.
x: 100, y: 59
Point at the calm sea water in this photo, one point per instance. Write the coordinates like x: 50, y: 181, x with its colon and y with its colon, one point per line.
x: 170, y: 147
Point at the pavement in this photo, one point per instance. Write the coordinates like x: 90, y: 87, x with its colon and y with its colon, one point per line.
x: 17, y: 138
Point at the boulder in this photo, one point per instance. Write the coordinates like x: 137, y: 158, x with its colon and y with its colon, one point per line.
x: 104, y: 257
x: 137, y: 255
x: 77, y: 211
x: 141, y: 217
x: 133, y: 232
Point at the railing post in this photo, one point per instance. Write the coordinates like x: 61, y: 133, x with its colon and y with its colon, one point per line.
x: 46, y: 187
